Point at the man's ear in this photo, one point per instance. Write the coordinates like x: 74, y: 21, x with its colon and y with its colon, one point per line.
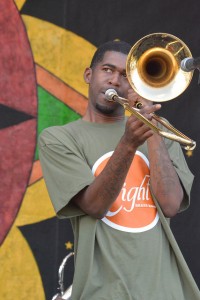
x: 87, y: 75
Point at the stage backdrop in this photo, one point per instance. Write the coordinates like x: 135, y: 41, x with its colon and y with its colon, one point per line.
x: 44, y: 49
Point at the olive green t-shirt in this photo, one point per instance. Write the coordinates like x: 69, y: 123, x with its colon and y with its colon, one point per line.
x: 131, y: 253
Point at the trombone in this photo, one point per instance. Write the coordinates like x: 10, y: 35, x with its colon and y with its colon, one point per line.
x: 154, y: 71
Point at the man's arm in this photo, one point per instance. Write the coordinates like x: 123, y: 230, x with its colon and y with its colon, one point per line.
x: 165, y: 182
x: 97, y: 198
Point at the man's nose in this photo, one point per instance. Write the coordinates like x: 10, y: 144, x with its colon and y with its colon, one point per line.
x: 115, y: 79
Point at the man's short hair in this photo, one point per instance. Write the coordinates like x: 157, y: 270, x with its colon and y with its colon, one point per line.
x: 117, y: 46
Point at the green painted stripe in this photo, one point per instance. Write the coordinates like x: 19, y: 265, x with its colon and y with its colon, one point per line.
x: 51, y: 112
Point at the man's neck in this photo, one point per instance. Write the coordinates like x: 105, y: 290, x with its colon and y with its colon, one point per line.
x: 96, y: 117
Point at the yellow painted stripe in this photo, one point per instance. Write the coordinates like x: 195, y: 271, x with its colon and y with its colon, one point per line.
x: 19, y: 3
x: 36, y: 205
x: 61, y: 52
x: 19, y: 273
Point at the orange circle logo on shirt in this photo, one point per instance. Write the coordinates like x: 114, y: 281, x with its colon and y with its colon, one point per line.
x: 134, y: 209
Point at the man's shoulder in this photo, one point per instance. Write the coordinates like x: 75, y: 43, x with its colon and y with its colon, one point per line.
x: 54, y: 133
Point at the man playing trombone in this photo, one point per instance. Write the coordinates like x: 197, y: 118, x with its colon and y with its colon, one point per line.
x: 119, y: 183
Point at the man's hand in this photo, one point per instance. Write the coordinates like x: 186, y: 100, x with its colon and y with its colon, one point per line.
x: 133, y: 98
x: 147, y: 108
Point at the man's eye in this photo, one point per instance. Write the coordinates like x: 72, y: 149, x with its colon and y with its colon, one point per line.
x: 108, y: 70
x: 124, y: 75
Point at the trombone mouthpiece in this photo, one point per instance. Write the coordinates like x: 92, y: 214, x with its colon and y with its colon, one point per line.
x: 110, y: 93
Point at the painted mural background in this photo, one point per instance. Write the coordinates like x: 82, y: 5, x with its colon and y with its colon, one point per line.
x: 44, y: 49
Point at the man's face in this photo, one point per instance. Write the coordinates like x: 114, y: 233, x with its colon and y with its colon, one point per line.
x: 110, y: 73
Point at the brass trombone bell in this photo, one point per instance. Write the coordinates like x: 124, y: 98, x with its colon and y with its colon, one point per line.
x: 153, y: 67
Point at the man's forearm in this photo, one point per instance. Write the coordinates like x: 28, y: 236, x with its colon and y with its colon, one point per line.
x: 97, y: 198
x: 165, y: 182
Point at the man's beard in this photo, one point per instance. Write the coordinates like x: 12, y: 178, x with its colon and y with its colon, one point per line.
x: 105, y: 109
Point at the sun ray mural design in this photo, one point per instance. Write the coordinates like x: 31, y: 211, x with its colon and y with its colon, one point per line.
x: 42, y: 86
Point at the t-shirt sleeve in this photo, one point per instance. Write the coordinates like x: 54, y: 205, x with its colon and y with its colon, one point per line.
x: 65, y: 171
x: 183, y: 171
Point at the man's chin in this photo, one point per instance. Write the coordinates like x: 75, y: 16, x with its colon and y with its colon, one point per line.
x: 105, y: 109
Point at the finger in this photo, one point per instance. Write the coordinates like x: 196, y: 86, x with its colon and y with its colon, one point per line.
x: 132, y: 98
x: 143, y: 133
x: 134, y: 124
x: 151, y: 109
